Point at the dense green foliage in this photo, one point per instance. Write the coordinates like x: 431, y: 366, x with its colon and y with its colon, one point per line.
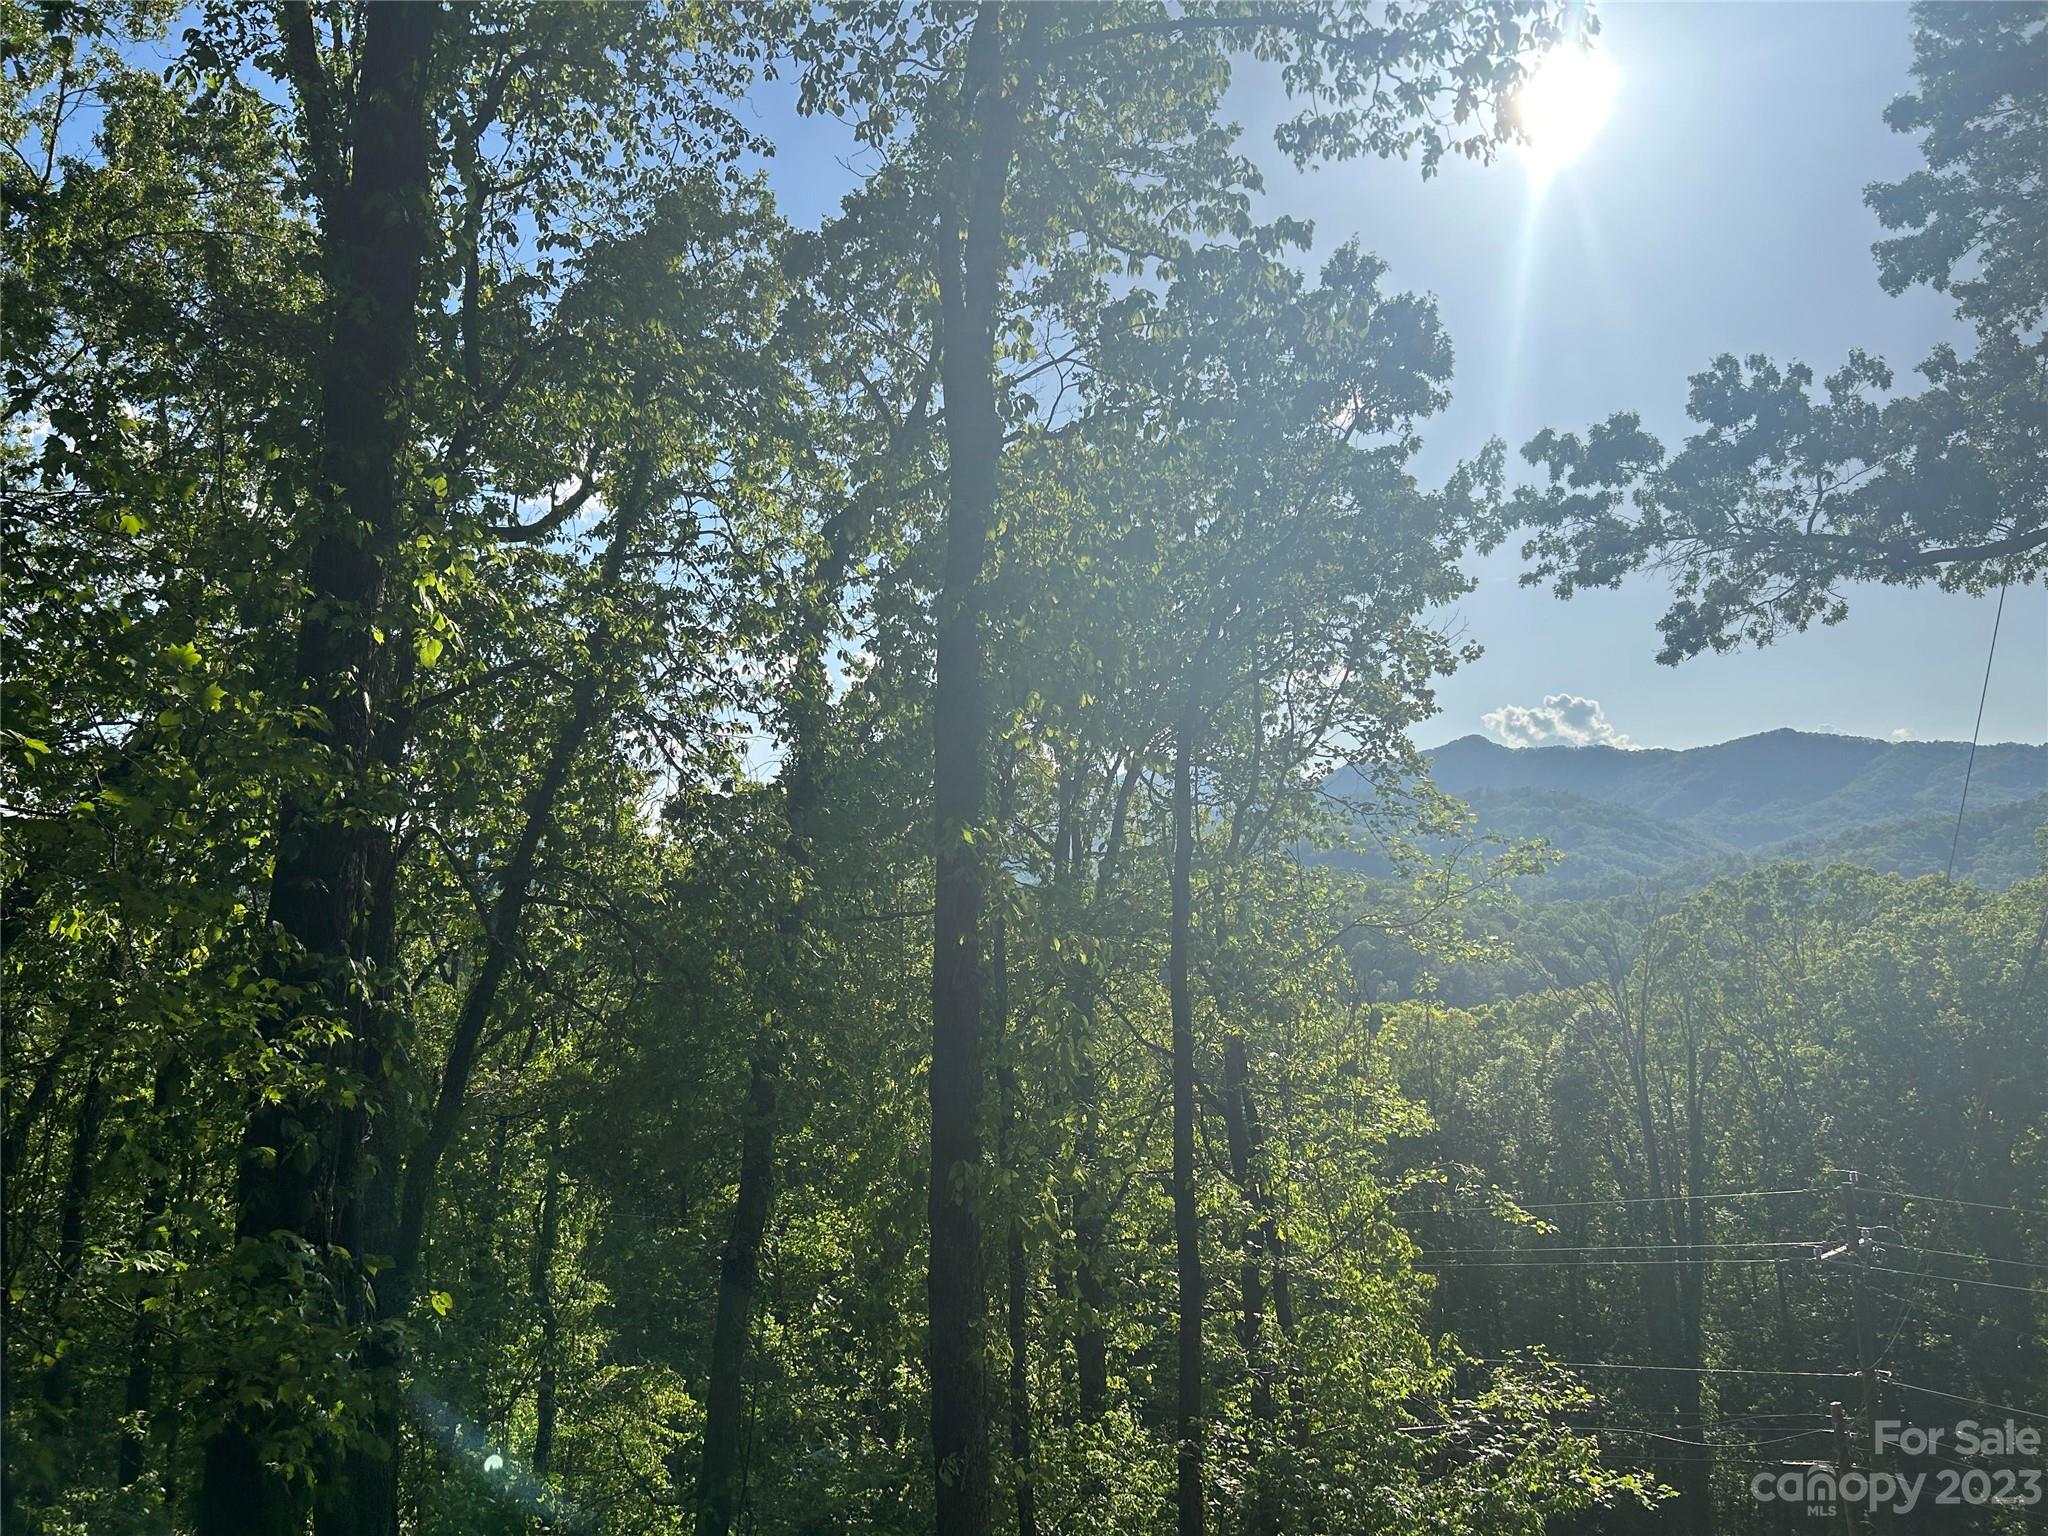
x: 655, y: 873
x: 1644, y: 1164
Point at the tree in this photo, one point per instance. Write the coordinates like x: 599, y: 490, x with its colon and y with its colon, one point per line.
x: 1291, y: 559
x: 1789, y: 493
x: 1646, y: 1156
x: 1037, y: 131
x: 376, y: 247
x: 1030, y: 557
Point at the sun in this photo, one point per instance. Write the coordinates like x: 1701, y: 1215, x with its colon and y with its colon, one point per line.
x: 1561, y: 107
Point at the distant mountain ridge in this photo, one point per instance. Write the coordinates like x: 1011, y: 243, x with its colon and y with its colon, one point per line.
x: 1676, y: 819
x: 1758, y: 790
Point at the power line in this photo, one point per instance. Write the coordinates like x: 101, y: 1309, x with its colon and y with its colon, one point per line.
x: 1971, y: 1402
x: 1597, y: 1263
x: 1906, y: 1309
x: 1737, y: 1419
x: 1623, y: 1247
x: 1913, y: 1274
x: 1702, y: 1370
x: 1709, y: 1445
x: 1955, y: 841
x: 1936, y: 1310
x: 1975, y: 1205
x: 1954, y: 1253
x: 1604, y: 1428
x: 1678, y: 1459
x: 1576, y: 1205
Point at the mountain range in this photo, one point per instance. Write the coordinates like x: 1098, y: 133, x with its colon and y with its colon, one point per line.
x: 1681, y: 817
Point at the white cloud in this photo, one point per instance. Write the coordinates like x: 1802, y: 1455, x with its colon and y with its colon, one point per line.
x: 1561, y: 720
x: 1903, y: 733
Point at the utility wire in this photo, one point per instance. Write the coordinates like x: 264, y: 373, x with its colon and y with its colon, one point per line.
x: 1971, y: 762
x: 1913, y: 1274
x: 1975, y: 1205
x: 1704, y: 1370
x: 1935, y: 1310
x: 1638, y: 1431
x: 1575, y: 1205
x: 1624, y: 1248
x: 1955, y: 1253
x: 1605, y: 1263
x: 1711, y: 1445
x: 1971, y: 1402
x: 1508, y: 1202
x: 1907, y: 1306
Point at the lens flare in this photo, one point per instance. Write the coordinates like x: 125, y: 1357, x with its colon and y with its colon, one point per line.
x: 1562, y: 106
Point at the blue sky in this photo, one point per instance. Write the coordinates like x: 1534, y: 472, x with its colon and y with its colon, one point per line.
x: 1720, y: 209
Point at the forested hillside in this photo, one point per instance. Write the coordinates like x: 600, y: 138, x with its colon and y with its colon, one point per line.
x: 1760, y: 790
x: 1624, y: 822
x: 671, y: 869
x: 1826, y: 1070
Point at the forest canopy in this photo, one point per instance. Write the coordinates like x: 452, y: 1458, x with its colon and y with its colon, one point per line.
x: 674, y: 870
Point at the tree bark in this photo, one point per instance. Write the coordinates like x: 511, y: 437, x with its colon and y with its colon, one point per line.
x: 141, y: 1377
x: 1081, y: 1272
x: 85, y: 1152
x: 1017, y: 1297
x: 375, y: 244
x: 508, y: 910
x: 1676, y: 1340
x: 358, y: 1495
x: 1091, y: 1262
x: 1186, y: 1219
x: 1690, y: 1219
x: 1260, y: 1242
x: 738, y: 1272
x: 363, y: 1500
x: 972, y: 262
x: 1016, y: 1261
x: 803, y: 792
x: 15, y: 1143
x: 543, y: 1286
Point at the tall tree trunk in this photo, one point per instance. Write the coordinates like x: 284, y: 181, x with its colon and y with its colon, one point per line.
x: 363, y: 1501
x: 1187, y: 1236
x: 1082, y: 1272
x: 85, y: 1157
x: 807, y: 716
x: 42, y: 1478
x: 141, y: 1377
x: 358, y: 1495
x: 1664, y: 1286
x: 1090, y: 1258
x: 375, y: 240
x: 1690, y: 1220
x: 1260, y: 1241
x: 508, y: 910
x: 14, y: 1143
x: 1016, y: 1261
x: 543, y: 1286
x: 1091, y: 1334
x: 1017, y: 1298
x: 972, y: 262
x: 739, y: 1269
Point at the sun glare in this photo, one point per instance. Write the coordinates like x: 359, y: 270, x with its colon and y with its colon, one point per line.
x: 1562, y: 106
